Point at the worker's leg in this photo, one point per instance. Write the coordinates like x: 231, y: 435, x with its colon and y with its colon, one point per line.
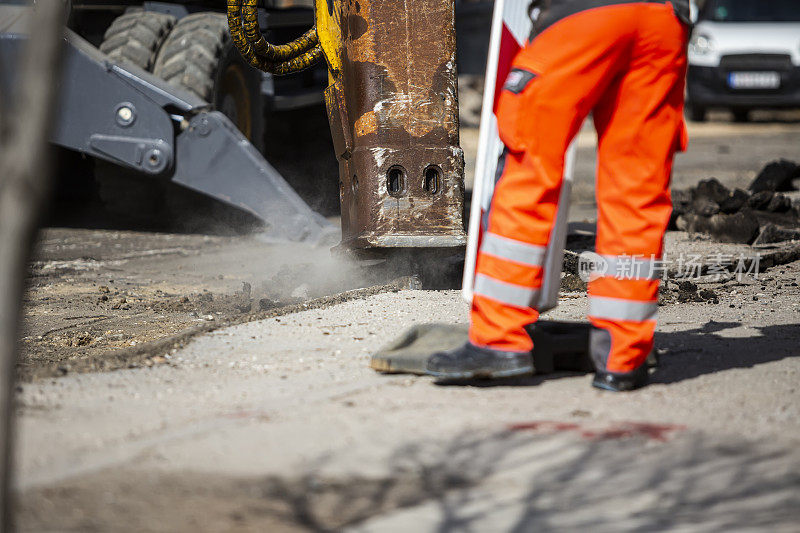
x: 555, y: 82
x: 640, y: 125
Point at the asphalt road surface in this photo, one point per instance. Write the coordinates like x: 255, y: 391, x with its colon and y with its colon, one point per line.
x: 268, y: 418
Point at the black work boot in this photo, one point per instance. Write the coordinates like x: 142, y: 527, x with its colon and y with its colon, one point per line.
x: 614, y: 382
x: 600, y: 349
x: 470, y: 361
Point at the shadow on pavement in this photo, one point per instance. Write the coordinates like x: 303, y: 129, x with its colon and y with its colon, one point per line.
x: 690, y: 354
x: 504, y: 481
x: 699, y: 351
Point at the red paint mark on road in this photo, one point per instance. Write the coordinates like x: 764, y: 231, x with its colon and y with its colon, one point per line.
x: 625, y: 430
x: 619, y: 430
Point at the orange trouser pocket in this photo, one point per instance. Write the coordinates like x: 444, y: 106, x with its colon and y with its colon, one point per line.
x: 513, y: 108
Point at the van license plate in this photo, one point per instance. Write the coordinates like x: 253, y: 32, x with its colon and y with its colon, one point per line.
x: 754, y: 80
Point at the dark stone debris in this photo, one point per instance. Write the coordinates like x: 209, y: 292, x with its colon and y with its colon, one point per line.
x: 776, y: 176
x: 737, y: 216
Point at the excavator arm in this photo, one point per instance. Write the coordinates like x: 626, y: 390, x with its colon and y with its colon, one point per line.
x: 132, y: 118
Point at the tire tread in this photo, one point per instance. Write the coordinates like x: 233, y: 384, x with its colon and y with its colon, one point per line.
x: 189, y: 57
x: 136, y: 37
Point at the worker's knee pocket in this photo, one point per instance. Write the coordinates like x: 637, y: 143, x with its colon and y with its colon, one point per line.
x: 515, y: 109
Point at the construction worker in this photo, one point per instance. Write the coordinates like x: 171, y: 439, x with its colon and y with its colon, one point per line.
x: 625, y: 63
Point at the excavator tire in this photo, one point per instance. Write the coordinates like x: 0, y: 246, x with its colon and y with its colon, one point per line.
x: 198, y: 56
x: 136, y: 37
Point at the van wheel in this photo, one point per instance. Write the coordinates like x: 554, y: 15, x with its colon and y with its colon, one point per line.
x: 697, y: 113
x: 741, y: 115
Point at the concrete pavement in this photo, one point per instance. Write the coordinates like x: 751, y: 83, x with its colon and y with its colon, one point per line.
x: 280, y: 424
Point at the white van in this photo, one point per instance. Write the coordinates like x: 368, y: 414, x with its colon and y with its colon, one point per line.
x: 744, y: 54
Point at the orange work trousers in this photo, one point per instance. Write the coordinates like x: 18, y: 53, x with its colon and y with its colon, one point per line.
x: 626, y: 64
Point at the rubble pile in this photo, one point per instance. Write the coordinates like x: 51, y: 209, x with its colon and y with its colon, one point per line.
x: 684, y: 291
x: 760, y: 215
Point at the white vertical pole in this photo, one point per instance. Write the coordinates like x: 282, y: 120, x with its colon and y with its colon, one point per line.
x: 487, y: 151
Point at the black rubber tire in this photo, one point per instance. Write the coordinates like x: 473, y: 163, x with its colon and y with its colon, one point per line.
x: 741, y: 114
x: 136, y: 37
x: 199, y: 56
x: 696, y: 113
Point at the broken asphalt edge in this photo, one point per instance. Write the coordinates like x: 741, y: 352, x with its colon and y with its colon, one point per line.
x: 153, y: 353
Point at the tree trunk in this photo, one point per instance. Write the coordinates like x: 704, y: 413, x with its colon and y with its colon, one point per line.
x: 24, y: 187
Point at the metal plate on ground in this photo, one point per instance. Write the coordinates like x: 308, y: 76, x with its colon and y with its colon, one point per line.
x: 409, y: 353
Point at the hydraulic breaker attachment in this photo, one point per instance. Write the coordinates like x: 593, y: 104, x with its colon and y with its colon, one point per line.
x: 136, y: 120
x: 393, y: 110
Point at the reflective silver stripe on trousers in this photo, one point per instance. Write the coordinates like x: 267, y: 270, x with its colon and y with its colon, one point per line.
x: 503, y: 292
x: 632, y: 267
x: 619, y: 309
x: 513, y: 250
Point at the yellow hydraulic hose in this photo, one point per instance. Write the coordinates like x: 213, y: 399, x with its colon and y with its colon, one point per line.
x: 302, y: 62
x: 295, y: 56
x: 272, y: 52
x: 237, y: 32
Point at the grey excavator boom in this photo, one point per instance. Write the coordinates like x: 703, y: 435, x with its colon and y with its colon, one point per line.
x: 125, y: 115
